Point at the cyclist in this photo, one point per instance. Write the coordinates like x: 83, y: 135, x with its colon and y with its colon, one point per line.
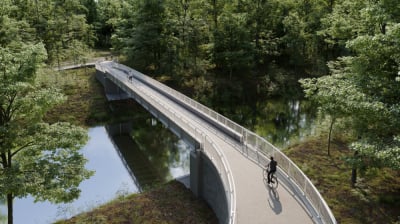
x: 272, y: 169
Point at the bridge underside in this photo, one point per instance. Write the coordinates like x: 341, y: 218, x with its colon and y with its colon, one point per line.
x: 205, y: 181
x: 113, y: 92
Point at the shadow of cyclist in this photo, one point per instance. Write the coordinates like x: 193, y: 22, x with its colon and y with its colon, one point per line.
x: 273, y: 200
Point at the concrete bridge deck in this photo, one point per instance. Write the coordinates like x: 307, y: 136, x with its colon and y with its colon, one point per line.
x: 254, y: 201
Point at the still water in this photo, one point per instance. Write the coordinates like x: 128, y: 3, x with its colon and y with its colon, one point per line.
x: 112, y: 178
x: 280, y: 121
x: 129, y: 161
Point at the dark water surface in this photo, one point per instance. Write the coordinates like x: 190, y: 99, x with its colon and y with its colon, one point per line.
x: 280, y: 121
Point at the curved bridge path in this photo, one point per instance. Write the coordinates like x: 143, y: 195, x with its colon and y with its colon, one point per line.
x: 255, y: 202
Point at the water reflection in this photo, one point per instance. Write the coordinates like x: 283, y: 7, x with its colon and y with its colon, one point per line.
x: 280, y: 121
x: 284, y: 122
x: 110, y: 179
x: 150, y: 153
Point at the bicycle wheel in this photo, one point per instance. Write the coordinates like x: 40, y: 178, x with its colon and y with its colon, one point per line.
x: 274, y: 183
x: 265, y: 173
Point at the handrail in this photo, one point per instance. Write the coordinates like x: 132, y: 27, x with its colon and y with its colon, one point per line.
x: 213, y: 152
x: 261, y: 149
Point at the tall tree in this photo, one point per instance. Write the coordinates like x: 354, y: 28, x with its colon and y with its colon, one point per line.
x: 366, y: 87
x: 59, y: 25
x: 109, y: 14
x: 263, y: 19
x: 36, y: 158
x: 302, y: 44
x: 232, y: 45
x: 143, y: 35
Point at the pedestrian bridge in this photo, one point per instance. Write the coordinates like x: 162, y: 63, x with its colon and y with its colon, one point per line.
x: 236, y: 155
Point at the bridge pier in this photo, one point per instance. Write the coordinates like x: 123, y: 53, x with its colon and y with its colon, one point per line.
x: 196, y: 172
x: 112, y: 91
x: 205, y: 183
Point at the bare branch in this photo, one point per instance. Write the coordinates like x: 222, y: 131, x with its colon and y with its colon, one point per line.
x: 22, y: 147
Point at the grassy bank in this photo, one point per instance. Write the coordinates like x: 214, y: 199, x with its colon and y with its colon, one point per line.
x: 374, y: 199
x: 86, y: 104
x: 169, y: 203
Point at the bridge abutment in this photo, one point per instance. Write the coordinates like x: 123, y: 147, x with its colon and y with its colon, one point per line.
x: 112, y: 91
x: 206, y: 183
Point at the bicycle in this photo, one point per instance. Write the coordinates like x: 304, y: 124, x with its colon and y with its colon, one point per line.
x: 274, y: 179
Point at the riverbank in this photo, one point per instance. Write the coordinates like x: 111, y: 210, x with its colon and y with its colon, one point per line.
x: 167, y: 203
x: 86, y: 104
x: 374, y: 199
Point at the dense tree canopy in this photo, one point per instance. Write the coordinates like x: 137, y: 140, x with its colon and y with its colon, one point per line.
x: 363, y: 88
x: 36, y: 158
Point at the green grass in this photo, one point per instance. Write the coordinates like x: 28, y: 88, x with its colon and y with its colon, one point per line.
x: 374, y: 199
x: 86, y: 104
x: 168, y: 203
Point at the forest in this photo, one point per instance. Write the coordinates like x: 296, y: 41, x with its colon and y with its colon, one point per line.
x: 344, y: 55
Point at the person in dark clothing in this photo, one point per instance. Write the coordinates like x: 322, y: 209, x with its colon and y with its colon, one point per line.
x: 272, y: 169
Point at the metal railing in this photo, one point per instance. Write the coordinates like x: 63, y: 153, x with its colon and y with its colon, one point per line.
x: 254, y: 147
x: 212, y: 151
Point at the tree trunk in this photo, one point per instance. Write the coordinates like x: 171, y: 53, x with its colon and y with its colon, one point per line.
x: 353, y: 177
x: 215, y: 14
x: 354, y: 171
x: 331, y: 5
x: 330, y: 135
x: 10, y: 208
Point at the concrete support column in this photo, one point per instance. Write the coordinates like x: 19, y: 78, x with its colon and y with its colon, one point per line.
x: 111, y: 88
x: 196, y: 172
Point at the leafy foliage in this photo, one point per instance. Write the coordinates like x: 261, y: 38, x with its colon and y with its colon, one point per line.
x: 36, y: 158
x: 363, y: 88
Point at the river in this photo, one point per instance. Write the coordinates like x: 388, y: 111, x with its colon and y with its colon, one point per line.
x: 166, y: 158
x: 153, y: 155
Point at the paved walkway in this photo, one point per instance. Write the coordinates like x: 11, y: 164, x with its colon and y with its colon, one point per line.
x: 255, y: 202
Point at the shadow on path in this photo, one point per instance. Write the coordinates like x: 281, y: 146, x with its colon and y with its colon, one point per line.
x: 273, y: 200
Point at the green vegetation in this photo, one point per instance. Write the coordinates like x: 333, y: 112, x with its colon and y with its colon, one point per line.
x: 374, y: 199
x: 363, y: 88
x: 346, y: 54
x: 86, y: 103
x: 169, y: 203
x: 36, y: 158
